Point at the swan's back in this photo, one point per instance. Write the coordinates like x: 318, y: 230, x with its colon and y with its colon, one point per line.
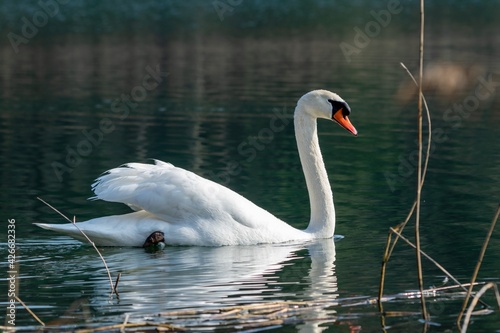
x: 170, y: 193
x: 184, y: 199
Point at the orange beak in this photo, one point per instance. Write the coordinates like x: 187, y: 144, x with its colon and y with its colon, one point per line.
x: 344, y: 122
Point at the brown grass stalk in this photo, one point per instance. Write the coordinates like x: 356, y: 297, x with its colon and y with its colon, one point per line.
x: 29, y: 310
x: 425, y: 315
x: 478, y: 265
x: 438, y: 265
x: 156, y: 326
x: 475, y: 300
x: 98, y: 252
x: 124, y: 324
x: 113, y: 289
x: 421, y: 172
x: 400, y: 227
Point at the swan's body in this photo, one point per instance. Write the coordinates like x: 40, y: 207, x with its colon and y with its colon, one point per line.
x: 191, y: 210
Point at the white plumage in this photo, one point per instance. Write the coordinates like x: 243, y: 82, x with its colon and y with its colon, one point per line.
x: 191, y: 210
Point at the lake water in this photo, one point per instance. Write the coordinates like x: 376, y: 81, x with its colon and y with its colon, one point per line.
x: 218, y: 85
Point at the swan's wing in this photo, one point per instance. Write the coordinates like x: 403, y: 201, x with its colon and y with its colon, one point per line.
x: 175, y: 195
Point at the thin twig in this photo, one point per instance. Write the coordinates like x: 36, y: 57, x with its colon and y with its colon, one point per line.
x: 29, y: 310
x: 382, y: 274
x: 474, y: 301
x: 420, y: 177
x: 115, y: 288
x: 385, y: 260
x: 125, y: 321
x: 98, y: 252
x: 479, y: 262
x: 88, y: 239
x: 401, y: 226
x: 419, y: 167
x: 54, y: 209
x: 429, y: 129
x: 438, y: 265
x: 131, y: 325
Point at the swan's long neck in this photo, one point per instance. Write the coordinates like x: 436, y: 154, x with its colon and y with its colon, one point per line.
x: 322, y: 222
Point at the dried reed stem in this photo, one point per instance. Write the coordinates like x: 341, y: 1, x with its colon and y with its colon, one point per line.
x: 125, y: 321
x: 382, y: 275
x: 115, y: 288
x: 425, y: 315
x: 421, y: 173
x: 88, y: 239
x: 478, y: 264
x: 166, y: 327
x: 98, y: 252
x: 390, y: 248
x: 402, y: 225
x: 29, y: 310
x: 430, y: 259
x: 474, y: 301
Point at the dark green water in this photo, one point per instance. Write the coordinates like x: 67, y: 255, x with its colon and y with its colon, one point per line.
x: 74, y: 102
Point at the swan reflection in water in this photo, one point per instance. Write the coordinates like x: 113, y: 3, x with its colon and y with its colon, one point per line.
x: 203, y: 278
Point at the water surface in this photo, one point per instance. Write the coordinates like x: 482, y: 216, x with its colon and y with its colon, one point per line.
x: 60, y: 128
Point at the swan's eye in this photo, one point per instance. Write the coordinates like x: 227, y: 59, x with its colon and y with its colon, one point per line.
x: 337, y: 105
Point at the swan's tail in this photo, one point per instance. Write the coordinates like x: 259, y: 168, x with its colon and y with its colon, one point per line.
x: 116, y: 230
x: 67, y: 229
x: 104, y: 236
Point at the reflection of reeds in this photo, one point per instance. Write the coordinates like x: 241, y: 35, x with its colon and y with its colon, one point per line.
x: 264, y: 315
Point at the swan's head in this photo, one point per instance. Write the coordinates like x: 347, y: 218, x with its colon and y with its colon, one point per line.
x: 327, y: 105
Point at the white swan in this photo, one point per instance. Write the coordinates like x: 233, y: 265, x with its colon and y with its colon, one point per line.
x: 191, y: 210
